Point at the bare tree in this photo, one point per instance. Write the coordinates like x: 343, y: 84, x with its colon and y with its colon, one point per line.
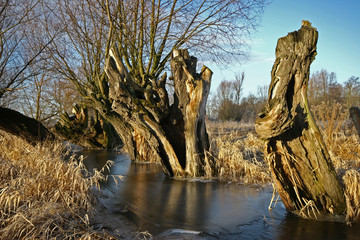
x: 262, y: 92
x: 227, y: 102
x: 26, y: 79
x: 237, y: 84
x: 335, y: 90
x: 18, y: 50
x: 323, y: 86
x: 352, y: 92
x: 45, y: 97
x: 228, y: 99
x: 137, y: 39
x: 32, y: 106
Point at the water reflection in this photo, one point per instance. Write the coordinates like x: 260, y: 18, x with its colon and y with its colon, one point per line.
x: 97, y: 158
x: 227, y: 211
x: 293, y: 227
x: 157, y: 203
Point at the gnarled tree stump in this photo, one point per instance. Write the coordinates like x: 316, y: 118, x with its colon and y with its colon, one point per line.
x: 300, y: 164
x: 152, y: 128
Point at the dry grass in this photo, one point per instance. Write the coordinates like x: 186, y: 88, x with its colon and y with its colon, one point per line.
x: 41, y: 196
x: 339, y: 135
x: 352, y: 195
x: 237, y: 153
x: 342, y: 142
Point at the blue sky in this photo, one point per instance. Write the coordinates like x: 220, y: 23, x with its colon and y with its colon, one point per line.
x: 338, y: 48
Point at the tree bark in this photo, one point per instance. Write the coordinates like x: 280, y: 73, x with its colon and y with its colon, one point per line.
x: 150, y: 127
x: 300, y: 164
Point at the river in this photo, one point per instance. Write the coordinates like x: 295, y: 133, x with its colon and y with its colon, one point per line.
x: 200, y: 209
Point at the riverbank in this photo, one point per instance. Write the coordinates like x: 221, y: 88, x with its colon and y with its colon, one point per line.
x: 43, y: 197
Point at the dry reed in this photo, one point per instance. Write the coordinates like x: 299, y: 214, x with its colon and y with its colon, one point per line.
x: 352, y: 195
x: 237, y: 153
x: 339, y: 136
x: 42, y: 196
x: 343, y: 144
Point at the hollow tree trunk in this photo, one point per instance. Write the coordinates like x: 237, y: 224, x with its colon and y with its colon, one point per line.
x: 300, y: 164
x: 150, y: 127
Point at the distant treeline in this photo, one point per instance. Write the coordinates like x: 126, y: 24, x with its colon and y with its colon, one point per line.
x: 229, y: 102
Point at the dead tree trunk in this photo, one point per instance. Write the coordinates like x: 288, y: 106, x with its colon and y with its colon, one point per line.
x: 300, y: 164
x: 150, y: 127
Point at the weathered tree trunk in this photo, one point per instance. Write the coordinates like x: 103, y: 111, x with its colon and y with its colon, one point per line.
x: 355, y: 116
x: 88, y: 129
x: 20, y: 125
x: 300, y: 164
x: 150, y: 127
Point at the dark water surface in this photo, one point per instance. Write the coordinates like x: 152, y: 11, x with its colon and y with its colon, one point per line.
x: 194, y: 209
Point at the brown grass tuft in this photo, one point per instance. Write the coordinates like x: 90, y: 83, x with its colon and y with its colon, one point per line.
x: 42, y: 196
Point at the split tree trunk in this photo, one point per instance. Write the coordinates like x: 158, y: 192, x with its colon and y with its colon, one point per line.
x: 300, y: 164
x: 150, y: 127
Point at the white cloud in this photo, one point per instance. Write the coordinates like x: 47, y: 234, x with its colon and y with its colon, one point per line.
x: 257, y: 57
